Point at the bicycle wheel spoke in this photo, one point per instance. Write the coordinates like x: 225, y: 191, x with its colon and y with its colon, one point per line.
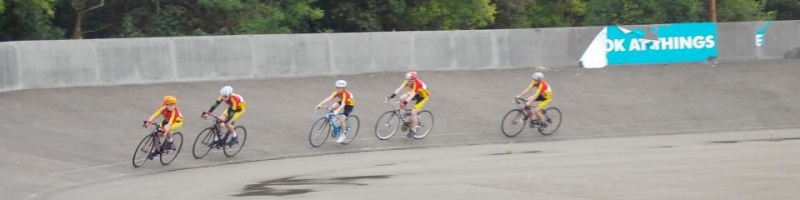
x: 552, y: 121
x: 319, y: 132
x: 202, y: 144
x: 169, y: 155
x: 387, y: 125
x: 513, y: 123
x: 353, y: 125
x: 425, y: 121
x: 142, y: 151
x: 234, y: 146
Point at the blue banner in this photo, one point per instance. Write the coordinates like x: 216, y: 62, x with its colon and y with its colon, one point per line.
x: 668, y: 43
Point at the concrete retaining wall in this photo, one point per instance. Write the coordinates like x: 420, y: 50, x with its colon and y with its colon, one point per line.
x: 45, y: 64
x: 737, y: 41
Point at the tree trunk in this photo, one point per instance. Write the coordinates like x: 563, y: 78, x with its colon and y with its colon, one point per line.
x: 77, y: 33
x: 80, y: 11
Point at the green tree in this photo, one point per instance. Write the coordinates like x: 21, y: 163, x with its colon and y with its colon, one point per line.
x: 628, y: 12
x: 405, y: 15
x: 784, y: 9
x: 219, y: 17
x: 28, y: 20
x: 82, y: 8
x: 450, y: 14
x: 513, y: 14
x: 741, y: 10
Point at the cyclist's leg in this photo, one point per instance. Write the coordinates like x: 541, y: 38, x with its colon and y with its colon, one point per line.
x: 335, y: 106
x: 527, y: 109
x: 404, y: 96
x: 417, y: 107
x: 170, y: 129
x: 166, y: 131
x: 544, y: 101
x: 229, y: 125
x: 346, y: 113
x: 222, y: 118
x: 229, y: 122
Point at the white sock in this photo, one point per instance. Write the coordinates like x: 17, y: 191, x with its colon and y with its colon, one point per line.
x: 169, y: 140
x: 234, y: 133
x: 216, y: 138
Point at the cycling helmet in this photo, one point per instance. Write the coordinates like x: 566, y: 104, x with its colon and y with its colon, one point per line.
x: 537, y: 76
x: 226, y: 91
x: 341, y: 83
x: 169, y: 100
x: 412, y: 75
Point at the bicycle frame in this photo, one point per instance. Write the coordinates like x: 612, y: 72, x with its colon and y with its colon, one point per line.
x: 400, y: 112
x: 521, y: 105
x: 216, y: 124
x: 333, y: 121
x: 154, y: 133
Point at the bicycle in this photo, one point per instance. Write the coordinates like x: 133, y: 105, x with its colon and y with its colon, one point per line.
x: 151, y: 146
x: 385, y: 129
x: 325, y: 124
x: 552, y: 120
x: 205, y: 140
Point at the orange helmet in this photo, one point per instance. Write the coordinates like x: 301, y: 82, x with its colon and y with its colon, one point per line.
x: 169, y: 100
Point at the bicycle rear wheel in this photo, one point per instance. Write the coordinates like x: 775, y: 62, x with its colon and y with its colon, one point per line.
x: 202, y: 144
x: 142, y: 151
x: 425, y: 120
x: 354, y: 124
x: 168, y: 156
x: 552, y: 117
x: 231, y: 149
x: 387, y: 125
x: 319, y: 132
x: 513, y: 123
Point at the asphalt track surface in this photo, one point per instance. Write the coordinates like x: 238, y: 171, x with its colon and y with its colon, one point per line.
x: 59, y: 142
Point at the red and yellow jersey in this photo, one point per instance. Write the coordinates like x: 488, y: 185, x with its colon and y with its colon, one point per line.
x: 236, y: 102
x: 169, y: 115
x: 345, y: 96
x: 543, y: 87
x: 417, y: 86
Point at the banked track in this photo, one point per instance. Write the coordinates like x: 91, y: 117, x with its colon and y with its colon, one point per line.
x: 57, y: 139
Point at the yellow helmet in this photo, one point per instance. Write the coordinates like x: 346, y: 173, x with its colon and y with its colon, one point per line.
x: 169, y: 100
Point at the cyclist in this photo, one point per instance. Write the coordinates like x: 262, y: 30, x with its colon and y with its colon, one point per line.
x: 345, y: 98
x: 543, y: 93
x: 173, y: 120
x: 236, y: 108
x: 418, y: 91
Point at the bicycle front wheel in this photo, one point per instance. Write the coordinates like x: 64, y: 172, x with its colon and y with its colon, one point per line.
x: 387, y: 125
x: 142, y: 151
x: 319, y: 132
x: 353, y: 125
x: 425, y: 120
x: 513, y: 123
x: 232, y: 148
x: 202, y: 144
x: 167, y: 156
x: 552, y: 117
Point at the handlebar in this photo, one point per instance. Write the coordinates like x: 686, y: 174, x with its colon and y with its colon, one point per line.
x: 395, y: 102
x: 157, y: 125
x: 217, y: 119
x: 326, y: 107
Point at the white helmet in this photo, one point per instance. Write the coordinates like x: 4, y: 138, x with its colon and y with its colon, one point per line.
x: 537, y: 76
x: 226, y: 91
x: 341, y: 83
